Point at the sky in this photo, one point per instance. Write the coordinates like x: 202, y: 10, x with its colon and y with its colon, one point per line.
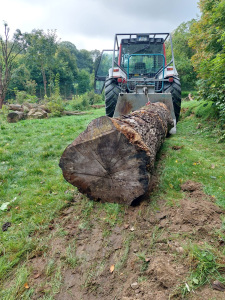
x: 92, y: 24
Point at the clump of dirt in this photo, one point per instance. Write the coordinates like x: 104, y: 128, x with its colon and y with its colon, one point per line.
x: 142, y: 257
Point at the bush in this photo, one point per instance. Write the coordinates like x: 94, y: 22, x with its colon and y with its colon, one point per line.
x: 83, y: 102
x: 23, y: 96
x: 55, y: 105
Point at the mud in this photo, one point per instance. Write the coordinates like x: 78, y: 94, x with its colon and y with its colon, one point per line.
x: 147, y: 250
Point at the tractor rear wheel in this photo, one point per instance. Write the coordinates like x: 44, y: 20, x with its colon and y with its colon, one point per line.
x: 175, y: 89
x: 112, y: 91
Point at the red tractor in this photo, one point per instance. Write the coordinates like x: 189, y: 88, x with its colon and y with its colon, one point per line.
x: 136, y: 72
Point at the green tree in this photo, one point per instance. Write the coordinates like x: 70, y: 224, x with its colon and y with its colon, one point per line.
x: 183, y: 53
x: 9, y: 50
x: 84, y: 60
x: 67, y: 68
x: 83, y: 82
x: 41, y: 53
x: 70, y: 46
x: 208, y: 41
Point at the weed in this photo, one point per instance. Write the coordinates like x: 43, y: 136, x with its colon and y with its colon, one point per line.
x: 144, y: 261
x: 123, y: 260
x: 17, y: 289
x: 71, y: 259
x: 93, y: 272
x: 50, y: 267
x: 206, y: 264
x: 114, y: 213
x: 156, y: 233
x: 142, y: 279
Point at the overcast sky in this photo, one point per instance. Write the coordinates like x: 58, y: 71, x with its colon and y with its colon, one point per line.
x: 91, y: 24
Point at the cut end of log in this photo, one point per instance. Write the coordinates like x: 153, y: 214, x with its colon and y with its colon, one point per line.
x: 107, y: 166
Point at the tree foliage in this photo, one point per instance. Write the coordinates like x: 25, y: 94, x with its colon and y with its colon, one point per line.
x: 33, y: 62
x: 183, y: 53
x: 208, y: 41
x: 9, y: 50
x: 41, y: 53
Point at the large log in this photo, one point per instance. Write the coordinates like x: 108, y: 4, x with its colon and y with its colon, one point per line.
x: 113, y: 159
x: 15, y: 116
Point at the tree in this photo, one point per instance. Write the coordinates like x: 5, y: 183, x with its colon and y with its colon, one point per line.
x: 70, y: 46
x: 83, y: 82
x: 208, y: 41
x: 183, y: 53
x: 84, y: 60
x: 41, y: 53
x: 9, y: 50
x: 66, y: 66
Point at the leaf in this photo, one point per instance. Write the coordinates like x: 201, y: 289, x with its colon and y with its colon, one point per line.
x: 195, y: 280
x: 26, y: 286
x: 112, y: 268
x: 4, y: 206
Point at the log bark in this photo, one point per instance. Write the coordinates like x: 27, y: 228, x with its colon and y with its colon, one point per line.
x: 98, y: 105
x: 15, y: 107
x: 15, y: 116
x: 74, y: 113
x: 113, y: 159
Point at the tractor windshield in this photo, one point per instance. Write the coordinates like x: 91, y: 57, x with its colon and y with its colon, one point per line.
x: 142, y: 59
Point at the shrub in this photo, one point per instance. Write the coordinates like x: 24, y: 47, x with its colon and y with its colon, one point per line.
x: 23, y: 96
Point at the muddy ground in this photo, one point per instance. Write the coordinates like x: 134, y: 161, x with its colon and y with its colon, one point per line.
x: 142, y: 257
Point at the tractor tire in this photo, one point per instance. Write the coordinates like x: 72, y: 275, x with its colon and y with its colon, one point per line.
x: 112, y: 91
x: 175, y: 89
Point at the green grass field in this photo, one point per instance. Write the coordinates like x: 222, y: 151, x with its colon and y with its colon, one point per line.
x: 31, y: 180
x: 33, y: 191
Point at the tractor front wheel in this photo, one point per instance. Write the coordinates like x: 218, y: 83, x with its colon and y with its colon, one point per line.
x: 175, y: 89
x: 112, y: 91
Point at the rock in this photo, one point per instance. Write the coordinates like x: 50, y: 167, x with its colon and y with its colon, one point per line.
x: 134, y: 285
x: 6, y: 226
x: 180, y: 249
x: 219, y: 286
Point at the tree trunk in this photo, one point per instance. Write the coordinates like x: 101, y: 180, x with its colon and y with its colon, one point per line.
x: 1, y: 88
x: 15, y: 107
x: 15, y: 116
x: 74, y: 113
x: 113, y: 159
x: 44, y: 80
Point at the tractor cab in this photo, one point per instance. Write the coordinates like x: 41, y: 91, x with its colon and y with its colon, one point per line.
x: 135, y: 58
x: 136, y: 72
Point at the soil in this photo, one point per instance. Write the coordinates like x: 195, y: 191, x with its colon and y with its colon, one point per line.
x: 144, y: 257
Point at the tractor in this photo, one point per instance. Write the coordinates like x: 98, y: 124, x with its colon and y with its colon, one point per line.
x: 136, y: 73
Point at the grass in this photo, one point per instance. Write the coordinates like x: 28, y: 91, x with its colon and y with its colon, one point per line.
x: 200, y: 158
x: 29, y: 173
x: 206, y: 265
x: 31, y: 181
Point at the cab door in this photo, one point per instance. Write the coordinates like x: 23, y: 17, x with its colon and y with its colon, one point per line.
x: 102, y: 70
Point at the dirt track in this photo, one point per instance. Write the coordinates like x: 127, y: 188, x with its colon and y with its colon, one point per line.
x: 147, y: 251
